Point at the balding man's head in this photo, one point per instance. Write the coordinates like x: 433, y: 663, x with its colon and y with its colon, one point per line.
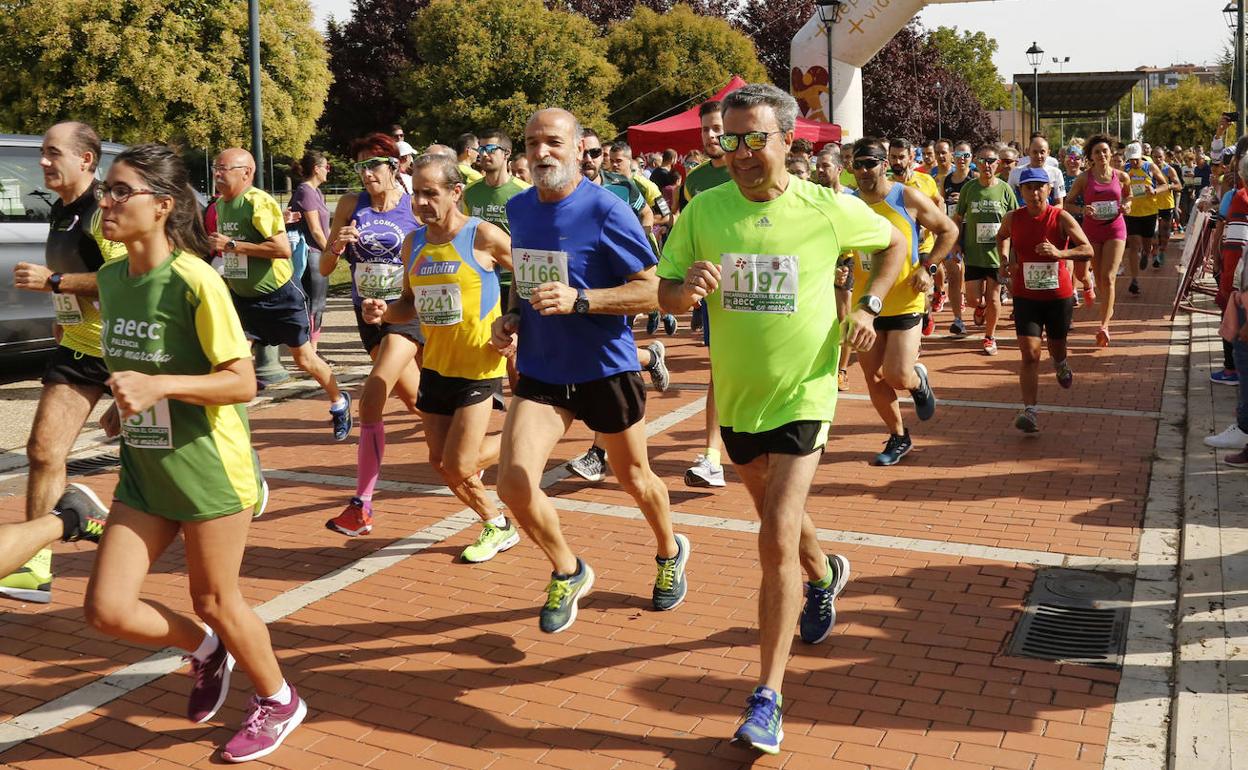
x: 69, y: 155
x: 233, y: 172
x: 441, y: 149
x: 552, y: 142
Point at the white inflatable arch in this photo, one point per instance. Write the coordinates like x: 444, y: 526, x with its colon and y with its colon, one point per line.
x: 861, y: 29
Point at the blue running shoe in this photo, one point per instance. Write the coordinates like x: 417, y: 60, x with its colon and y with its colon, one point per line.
x: 924, y: 398
x: 342, y: 419
x: 819, y: 615
x: 761, y: 725
x: 669, y: 324
x: 562, y: 596
x: 1225, y: 377
x: 652, y: 323
x: 895, y: 448
x: 670, y: 586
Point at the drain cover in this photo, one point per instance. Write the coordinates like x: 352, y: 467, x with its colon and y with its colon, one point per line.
x: 92, y: 464
x: 1074, y: 617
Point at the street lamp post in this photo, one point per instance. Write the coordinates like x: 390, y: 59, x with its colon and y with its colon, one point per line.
x: 257, y: 130
x: 1035, y: 55
x: 828, y: 11
x: 1060, y: 62
x: 1234, y: 13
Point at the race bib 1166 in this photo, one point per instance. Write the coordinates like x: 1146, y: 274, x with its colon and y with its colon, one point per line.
x: 759, y: 283
x: 533, y: 267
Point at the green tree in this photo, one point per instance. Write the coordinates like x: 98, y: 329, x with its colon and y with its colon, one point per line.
x: 1187, y: 114
x: 139, y: 70
x: 485, y: 63
x: 674, y: 59
x: 970, y: 55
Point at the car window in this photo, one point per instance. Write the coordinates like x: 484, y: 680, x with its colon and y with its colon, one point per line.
x: 23, y: 196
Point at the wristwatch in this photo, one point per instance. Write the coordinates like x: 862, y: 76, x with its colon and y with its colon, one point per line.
x: 932, y: 269
x: 871, y: 303
x: 231, y: 244
x: 581, y: 305
x: 54, y: 281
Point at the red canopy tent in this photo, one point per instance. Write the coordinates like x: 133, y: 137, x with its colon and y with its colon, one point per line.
x: 683, y: 132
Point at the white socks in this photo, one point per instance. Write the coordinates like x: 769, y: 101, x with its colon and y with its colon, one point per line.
x: 206, y: 647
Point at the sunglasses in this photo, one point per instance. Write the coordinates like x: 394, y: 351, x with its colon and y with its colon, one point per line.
x: 486, y: 149
x: 963, y: 155
x: 593, y: 152
x: 371, y: 164
x: 119, y: 193
x: 989, y: 160
x: 755, y: 140
x: 1008, y: 161
x: 866, y: 164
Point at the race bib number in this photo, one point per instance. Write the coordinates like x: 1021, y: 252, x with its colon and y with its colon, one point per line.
x: 1040, y: 276
x: 1139, y: 190
x: 534, y: 267
x: 759, y: 283
x: 439, y: 304
x: 379, y: 280
x: 865, y: 261
x: 951, y: 209
x: 986, y: 232
x: 1104, y: 210
x: 233, y: 265
x: 67, y: 309
x: 149, y: 429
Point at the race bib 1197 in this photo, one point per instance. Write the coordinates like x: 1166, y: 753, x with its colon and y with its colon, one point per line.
x: 759, y: 283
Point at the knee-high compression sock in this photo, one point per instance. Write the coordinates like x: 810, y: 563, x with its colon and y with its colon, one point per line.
x: 372, y: 449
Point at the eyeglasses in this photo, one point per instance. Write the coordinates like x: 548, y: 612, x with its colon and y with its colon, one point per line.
x: 371, y: 164
x: 989, y: 161
x: 486, y: 149
x: 223, y: 169
x: 592, y: 152
x: 866, y: 164
x: 962, y: 154
x: 119, y: 193
x: 1008, y: 161
x: 755, y: 140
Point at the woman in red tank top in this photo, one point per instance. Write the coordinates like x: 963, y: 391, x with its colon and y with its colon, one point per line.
x: 1035, y: 242
x: 1106, y: 195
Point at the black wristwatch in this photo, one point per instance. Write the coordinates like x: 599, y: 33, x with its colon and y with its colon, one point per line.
x: 54, y: 281
x: 933, y: 268
x: 581, y: 305
x: 871, y: 303
x: 231, y: 244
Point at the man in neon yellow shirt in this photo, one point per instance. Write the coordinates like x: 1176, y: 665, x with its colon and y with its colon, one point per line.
x: 761, y: 252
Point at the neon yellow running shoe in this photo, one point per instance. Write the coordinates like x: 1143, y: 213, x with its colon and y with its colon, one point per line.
x: 33, y: 580
x: 491, y: 542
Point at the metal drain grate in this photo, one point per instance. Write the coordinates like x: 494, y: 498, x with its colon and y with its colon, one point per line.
x: 1074, y: 616
x: 92, y: 464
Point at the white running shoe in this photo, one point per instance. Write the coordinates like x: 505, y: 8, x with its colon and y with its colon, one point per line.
x: 1231, y: 438
x: 704, y: 474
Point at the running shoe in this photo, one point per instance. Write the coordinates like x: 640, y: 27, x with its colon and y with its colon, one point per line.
x: 1006, y: 299
x: 990, y: 346
x: 924, y: 398
x: 929, y: 324
x: 652, y: 323
x: 1225, y: 377
x: 981, y: 313
x: 266, y: 725
x: 33, y: 580
x: 819, y: 614
x: 342, y: 418
x: 1102, y: 337
x: 695, y: 320
x: 669, y: 324
x: 1143, y: 261
x: 958, y: 328
x: 591, y: 466
x: 1231, y: 438
x: 1089, y: 297
x: 895, y: 448
x: 938, y: 301
x: 86, y: 514
x: 1065, y: 377
x: 1134, y: 288
x: 842, y: 379
x: 263, y: 502
x: 491, y: 542
x: 1237, y: 460
x: 212, y: 684
x: 562, y: 595
x: 762, y: 727
x: 670, y: 585
x: 703, y: 473
x: 1078, y: 301
x: 355, y: 519
x: 660, y: 378
x: 1158, y: 261
x: 1027, y: 421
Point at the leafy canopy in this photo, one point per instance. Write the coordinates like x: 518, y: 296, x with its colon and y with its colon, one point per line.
x: 1186, y: 114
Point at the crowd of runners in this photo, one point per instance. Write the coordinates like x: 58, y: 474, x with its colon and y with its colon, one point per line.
x: 484, y: 268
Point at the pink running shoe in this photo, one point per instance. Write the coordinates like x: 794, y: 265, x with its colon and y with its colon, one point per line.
x: 212, y: 684
x: 266, y: 725
x: 1089, y: 297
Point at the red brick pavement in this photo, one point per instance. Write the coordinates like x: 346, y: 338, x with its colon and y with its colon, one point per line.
x: 431, y: 663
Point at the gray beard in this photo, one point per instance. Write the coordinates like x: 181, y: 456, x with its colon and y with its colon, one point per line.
x: 554, y: 179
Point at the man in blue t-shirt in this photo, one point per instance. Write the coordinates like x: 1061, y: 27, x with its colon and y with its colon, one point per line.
x: 582, y: 266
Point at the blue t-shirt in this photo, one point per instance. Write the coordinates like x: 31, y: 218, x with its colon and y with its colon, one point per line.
x: 1205, y: 175
x: 604, y: 244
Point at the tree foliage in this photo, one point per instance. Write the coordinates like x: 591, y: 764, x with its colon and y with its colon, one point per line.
x: 483, y: 63
x: 603, y: 13
x: 146, y: 70
x: 672, y: 59
x: 1186, y: 114
x: 969, y: 54
x: 367, y: 53
x: 901, y: 97
x: 771, y: 24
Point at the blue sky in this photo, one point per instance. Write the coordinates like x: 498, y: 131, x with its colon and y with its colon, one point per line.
x: 1095, y: 34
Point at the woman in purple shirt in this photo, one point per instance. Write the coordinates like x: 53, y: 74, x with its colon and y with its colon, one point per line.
x: 313, y: 226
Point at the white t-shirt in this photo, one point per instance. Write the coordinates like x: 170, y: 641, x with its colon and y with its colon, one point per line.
x: 1053, y: 169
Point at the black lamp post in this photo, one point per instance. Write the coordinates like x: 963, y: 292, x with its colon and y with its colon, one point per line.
x: 257, y: 129
x: 1234, y: 14
x: 1035, y: 55
x: 828, y: 11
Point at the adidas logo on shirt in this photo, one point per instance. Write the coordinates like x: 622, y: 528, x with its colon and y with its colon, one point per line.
x: 764, y: 222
